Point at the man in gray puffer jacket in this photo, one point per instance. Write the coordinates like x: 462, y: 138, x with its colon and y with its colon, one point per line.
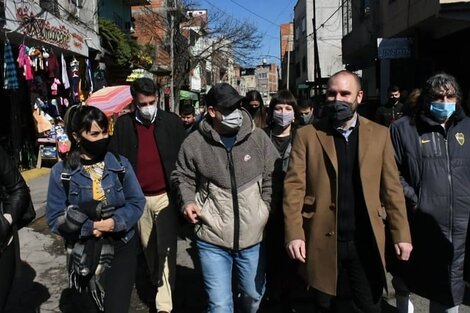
x: 223, y: 175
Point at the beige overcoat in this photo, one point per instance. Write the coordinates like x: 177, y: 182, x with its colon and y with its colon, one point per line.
x: 312, y: 180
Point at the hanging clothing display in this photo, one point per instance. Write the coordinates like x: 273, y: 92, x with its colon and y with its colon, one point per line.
x: 24, y: 62
x: 10, y: 80
x: 53, y: 65
x: 88, y: 77
x: 65, y: 76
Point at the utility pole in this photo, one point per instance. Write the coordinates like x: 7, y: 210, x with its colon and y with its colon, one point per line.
x: 288, y: 63
x: 316, y: 64
x: 172, y: 55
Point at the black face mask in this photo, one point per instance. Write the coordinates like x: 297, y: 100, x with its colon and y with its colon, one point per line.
x: 253, y: 110
x: 186, y: 126
x: 393, y: 100
x: 97, y: 149
x: 339, y: 112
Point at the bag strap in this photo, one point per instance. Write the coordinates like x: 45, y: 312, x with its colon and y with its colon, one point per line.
x: 65, y: 178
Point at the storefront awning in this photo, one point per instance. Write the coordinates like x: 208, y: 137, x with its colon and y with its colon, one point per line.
x: 29, y: 19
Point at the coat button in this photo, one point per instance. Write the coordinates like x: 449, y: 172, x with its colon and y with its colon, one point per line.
x: 332, y: 206
x: 331, y: 233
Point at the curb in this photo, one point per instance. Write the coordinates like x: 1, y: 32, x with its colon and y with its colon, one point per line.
x: 29, y: 176
x: 35, y: 173
x: 40, y: 212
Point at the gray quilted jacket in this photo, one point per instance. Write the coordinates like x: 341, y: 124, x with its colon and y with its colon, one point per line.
x: 232, y: 188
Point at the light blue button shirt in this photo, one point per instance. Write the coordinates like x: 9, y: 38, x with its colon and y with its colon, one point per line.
x: 346, y: 132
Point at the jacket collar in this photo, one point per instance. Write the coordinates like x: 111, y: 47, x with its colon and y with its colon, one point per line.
x: 327, y: 141
x: 112, y: 163
x: 142, y: 121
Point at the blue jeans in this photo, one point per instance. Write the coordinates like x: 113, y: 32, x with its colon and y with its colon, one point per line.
x: 249, y: 267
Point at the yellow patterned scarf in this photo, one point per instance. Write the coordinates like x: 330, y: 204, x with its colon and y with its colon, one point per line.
x: 96, y: 173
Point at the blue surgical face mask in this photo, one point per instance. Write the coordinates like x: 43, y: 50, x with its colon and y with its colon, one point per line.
x: 441, y: 111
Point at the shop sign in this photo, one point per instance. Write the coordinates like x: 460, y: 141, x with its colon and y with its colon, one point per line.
x: 29, y: 19
x: 393, y: 48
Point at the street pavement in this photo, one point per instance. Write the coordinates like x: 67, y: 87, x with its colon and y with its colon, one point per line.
x: 42, y: 285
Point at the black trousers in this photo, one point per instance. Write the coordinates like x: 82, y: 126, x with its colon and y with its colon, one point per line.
x: 7, y: 272
x: 119, y: 279
x: 355, y: 277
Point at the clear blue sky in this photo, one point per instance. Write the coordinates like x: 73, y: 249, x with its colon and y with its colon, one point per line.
x: 276, y: 12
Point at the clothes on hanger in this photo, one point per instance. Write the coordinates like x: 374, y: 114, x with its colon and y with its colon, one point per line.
x: 65, y: 76
x: 10, y: 80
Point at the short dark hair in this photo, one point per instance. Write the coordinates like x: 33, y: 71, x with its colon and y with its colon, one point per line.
x: 187, y: 109
x: 394, y: 88
x: 144, y: 86
x: 282, y: 97
x: 305, y: 103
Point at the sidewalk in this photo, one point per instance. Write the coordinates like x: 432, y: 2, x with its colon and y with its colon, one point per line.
x: 38, y: 182
x: 40, y: 288
x: 43, y: 278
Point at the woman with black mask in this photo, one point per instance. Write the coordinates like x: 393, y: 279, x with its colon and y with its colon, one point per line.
x: 94, y: 202
x: 254, y: 104
x: 15, y: 199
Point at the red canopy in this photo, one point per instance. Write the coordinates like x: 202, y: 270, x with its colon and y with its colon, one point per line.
x: 111, y: 100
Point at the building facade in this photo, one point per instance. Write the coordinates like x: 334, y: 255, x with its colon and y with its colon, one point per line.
x: 287, y: 57
x: 317, y: 44
x: 267, y: 78
x: 397, y: 43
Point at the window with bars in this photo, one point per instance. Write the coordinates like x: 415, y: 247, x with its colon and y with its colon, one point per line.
x: 347, y: 17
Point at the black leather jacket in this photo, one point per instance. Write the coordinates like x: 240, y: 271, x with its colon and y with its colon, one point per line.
x: 15, y: 193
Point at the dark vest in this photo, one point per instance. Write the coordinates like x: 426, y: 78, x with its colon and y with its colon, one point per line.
x: 350, y: 196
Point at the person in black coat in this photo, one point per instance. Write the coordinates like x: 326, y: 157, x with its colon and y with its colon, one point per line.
x: 15, y: 198
x: 188, y: 116
x: 392, y: 110
x: 151, y: 138
x: 433, y: 156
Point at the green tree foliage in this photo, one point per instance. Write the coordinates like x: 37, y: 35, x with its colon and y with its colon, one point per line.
x: 117, y: 44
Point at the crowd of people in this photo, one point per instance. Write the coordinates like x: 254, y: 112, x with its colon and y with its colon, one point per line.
x: 279, y: 196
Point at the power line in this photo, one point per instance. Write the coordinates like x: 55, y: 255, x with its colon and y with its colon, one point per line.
x: 254, y: 13
x: 329, y: 18
x: 284, y: 9
x: 332, y: 14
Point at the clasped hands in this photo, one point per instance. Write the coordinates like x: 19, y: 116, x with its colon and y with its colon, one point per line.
x: 100, y: 214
